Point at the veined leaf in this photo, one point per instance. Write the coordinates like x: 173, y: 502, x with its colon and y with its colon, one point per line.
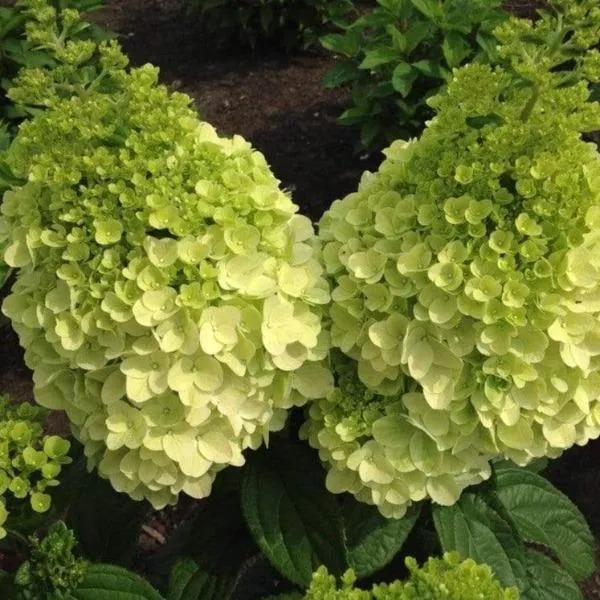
x: 293, y: 518
x: 544, y: 515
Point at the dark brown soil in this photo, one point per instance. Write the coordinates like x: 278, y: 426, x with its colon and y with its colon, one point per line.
x: 277, y: 102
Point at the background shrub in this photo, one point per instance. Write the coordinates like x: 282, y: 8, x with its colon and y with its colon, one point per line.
x: 290, y: 23
x: 399, y: 53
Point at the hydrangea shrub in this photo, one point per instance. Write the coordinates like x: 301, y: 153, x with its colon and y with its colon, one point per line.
x: 467, y: 281
x: 30, y: 461
x: 168, y: 297
x: 446, y: 578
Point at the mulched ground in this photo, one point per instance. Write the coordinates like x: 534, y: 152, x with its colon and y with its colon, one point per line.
x: 277, y: 102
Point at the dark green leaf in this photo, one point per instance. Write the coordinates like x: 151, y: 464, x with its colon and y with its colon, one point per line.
x: 538, y: 464
x: 294, y: 519
x: 455, y: 48
x: 416, y: 33
x: 369, y: 131
x: 398, y: 40
x: 179, y: 580
x: 266, y: 17
x: 487, y: 43
x: 547, y: 580
x: 430, y: 8
x: 391, y: 5
x: 342, y: 72
x: 189, y: 581
x: 214, y: 544
x: 7, y: 587
x: 106, y: 523
x: 377, y: 57
x: 372, y: 541
x: 334, y: 42
x: 403, y: 78
x: 475, y: 530
x: 107, y: 582
x: 347, y: 44
x: 431, y: 68
x: 352, y: 116
x: 544, y: 515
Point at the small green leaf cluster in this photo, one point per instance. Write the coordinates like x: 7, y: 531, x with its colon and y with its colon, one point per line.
x: 30, y: 461
x: 467, y: 280
x: 168, y: 297
x: 52, y: 571
x: 290, y: 23
x: 401, y: 52
x: 446, y: 578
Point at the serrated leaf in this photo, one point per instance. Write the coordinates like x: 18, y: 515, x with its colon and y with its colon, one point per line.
x: 351, y: 116
x: 398, y: 40
x: 347, y: 44
x: 431, y: 68
x: 488, y: 43
x: 180, y: 578
x: 430, y: 8
x: 475, y: 530
x: 369, y: 131
x: 403, y: 78
x: 416, y: 33
x: 455, y: 48
x: 190, y: 581
x: 340, y: 74
x: 295, y: 521
x: 102, y: 582
x: 379, y: 56
x: 391, y: 5
x: 106, y: 523
x: 372, y: 541
x: 334, y: 42
x: 544, y: 515
x: 214, y: 543
x: 548, y: 581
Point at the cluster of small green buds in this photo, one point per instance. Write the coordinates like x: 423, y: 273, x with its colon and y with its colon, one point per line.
x: 30, y: 461
x: 447, y: 578
x: 52, y: 571
x: 466, y: 279
x: 62, y: 40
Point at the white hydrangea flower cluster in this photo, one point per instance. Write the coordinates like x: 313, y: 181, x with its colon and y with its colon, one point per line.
x: 467, y: 294
x: 168, y: 298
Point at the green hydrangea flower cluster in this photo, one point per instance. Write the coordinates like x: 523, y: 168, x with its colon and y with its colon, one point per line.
x: 30, y: 461
x: 446, y: 578
x: 467, y: 282
x: 168, y: 297
x: 52, y: 571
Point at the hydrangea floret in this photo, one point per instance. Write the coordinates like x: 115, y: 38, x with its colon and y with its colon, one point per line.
x: 168, y: 297
x: 446, y: 578
x: 466, y: 275
x: 30, y: 461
